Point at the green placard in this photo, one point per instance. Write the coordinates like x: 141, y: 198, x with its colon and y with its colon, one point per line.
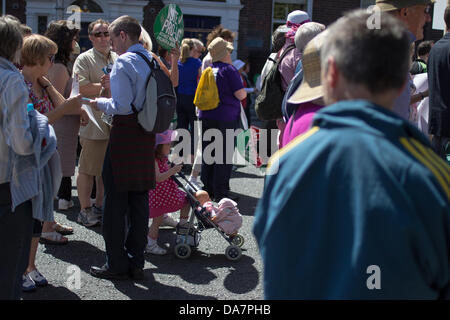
x: 169, y: 26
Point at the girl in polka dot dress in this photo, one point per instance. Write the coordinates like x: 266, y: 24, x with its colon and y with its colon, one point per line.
x: 166, y: 197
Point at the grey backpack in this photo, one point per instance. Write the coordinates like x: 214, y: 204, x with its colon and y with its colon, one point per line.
x: 160, y: 100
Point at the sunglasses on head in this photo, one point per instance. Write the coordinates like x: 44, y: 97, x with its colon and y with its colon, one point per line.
x: 99, y: 34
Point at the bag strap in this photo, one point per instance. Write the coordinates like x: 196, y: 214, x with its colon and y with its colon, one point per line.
x: 288, y: 49
x: 150, y: 65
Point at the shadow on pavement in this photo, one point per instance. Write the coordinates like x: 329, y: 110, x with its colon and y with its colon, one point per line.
x: 242, y: 276
x: 50, y: 293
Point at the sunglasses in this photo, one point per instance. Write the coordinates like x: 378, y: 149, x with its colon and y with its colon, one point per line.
x: 99, y: 34
x: 51, y: 58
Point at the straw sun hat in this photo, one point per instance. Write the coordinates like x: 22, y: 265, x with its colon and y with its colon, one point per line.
x: 311, y: 87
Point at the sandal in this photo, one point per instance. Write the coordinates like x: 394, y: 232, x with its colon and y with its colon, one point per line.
x: 62, y: 229
x: 52, y: 238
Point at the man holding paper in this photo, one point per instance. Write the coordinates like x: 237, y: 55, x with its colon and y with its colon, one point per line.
x: 90, y: 67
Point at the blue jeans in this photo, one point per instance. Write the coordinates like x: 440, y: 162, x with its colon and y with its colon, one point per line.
x: 15, y: 238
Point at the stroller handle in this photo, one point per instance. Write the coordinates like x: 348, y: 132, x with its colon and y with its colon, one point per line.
x: 188, y: 192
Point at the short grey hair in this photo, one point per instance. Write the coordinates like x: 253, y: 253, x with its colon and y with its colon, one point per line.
x: 305, y: 33
x: 127, y: 24
x: 12, y: 40
x: 375, y: 58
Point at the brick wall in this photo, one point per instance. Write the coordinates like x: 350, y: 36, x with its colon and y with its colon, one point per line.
x: 17, y: 9
x: 255, y: 31
x: 328, y: 11
x: 151, y: 10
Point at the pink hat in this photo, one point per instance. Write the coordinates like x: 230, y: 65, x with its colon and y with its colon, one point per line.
x: 165, y: 137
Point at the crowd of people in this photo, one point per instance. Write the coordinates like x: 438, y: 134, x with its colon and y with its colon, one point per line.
x: 356, y: 182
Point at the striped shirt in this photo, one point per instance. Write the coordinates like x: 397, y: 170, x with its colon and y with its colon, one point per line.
x: 15, y: 133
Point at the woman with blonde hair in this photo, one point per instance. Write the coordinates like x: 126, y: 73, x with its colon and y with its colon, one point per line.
x: 189, y: 67
x: 38, y: 56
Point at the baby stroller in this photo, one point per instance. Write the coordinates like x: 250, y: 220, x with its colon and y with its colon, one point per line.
x: 189, y: 239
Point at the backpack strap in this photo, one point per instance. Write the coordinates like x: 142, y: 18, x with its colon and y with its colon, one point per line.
x: 152, y: 67
x: 288, y: 49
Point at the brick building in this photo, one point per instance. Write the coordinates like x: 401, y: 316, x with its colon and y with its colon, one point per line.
x: 252, y: 20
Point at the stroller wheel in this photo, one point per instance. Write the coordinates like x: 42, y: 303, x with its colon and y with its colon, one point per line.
x: 182, y: 251
x: 233, y: 253
x: 238, y: 240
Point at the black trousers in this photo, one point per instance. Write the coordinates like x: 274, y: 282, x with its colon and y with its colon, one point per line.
x: 15, y: 239
x: 65, y: 189
x: 216, y: 175
x: 186, y: 115
x: 124, y: 245
x: 441, y: 146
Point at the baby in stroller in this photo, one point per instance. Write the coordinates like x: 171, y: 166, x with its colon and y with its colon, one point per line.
x: 225, y: 215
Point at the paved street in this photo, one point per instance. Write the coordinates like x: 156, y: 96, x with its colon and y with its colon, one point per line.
x: 207, y: 274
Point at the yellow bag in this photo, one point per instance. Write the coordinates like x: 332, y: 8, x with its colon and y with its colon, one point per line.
x: 207, y: 94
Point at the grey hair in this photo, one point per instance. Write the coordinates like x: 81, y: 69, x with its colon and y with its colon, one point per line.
x: 305, y: 33
x: 278, y: 38
x: 12, y: 39
x: 375, y: 58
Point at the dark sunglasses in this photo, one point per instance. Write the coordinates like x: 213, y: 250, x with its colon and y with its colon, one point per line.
x: 51, y: 58
x: 99, y: 34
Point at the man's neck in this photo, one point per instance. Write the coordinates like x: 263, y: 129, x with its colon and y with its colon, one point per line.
x: 104, y: 52
x: 359, y: 92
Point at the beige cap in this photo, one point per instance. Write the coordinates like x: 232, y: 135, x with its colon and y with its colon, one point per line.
x: 311, y: 87
x: 389, y: 5
x: 218, y: 48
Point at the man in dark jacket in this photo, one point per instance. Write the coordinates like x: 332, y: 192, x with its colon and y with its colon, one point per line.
x: 129, y: 166
x: 438, y: 81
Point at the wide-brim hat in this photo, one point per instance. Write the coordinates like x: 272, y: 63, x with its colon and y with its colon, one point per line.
x: 165, y: 137
x: 218, y: 48
x: 390, y: 5
x: 311, y: 87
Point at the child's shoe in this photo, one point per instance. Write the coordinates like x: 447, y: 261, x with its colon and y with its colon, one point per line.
x: 37, y: 278
x: 155, y: 249
x: 28, y: 284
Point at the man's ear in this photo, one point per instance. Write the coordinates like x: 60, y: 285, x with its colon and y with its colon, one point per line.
x: 332, y: 74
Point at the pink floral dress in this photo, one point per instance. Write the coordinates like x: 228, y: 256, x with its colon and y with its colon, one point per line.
x: 166, y: 197
x: 43, y: 105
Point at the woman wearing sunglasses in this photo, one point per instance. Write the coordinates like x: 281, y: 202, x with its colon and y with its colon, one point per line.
x: 38, y: 56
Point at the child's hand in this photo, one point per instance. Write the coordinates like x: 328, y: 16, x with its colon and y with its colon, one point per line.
x: 177, y: 168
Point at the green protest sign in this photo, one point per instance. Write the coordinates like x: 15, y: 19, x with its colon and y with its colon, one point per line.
x: 169, y: 26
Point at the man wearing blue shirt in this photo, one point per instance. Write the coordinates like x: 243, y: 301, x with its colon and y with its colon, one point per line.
x: 129, y: 167
x: 358, y: 207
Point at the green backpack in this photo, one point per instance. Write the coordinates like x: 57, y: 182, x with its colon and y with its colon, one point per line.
x: 268, y: 103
